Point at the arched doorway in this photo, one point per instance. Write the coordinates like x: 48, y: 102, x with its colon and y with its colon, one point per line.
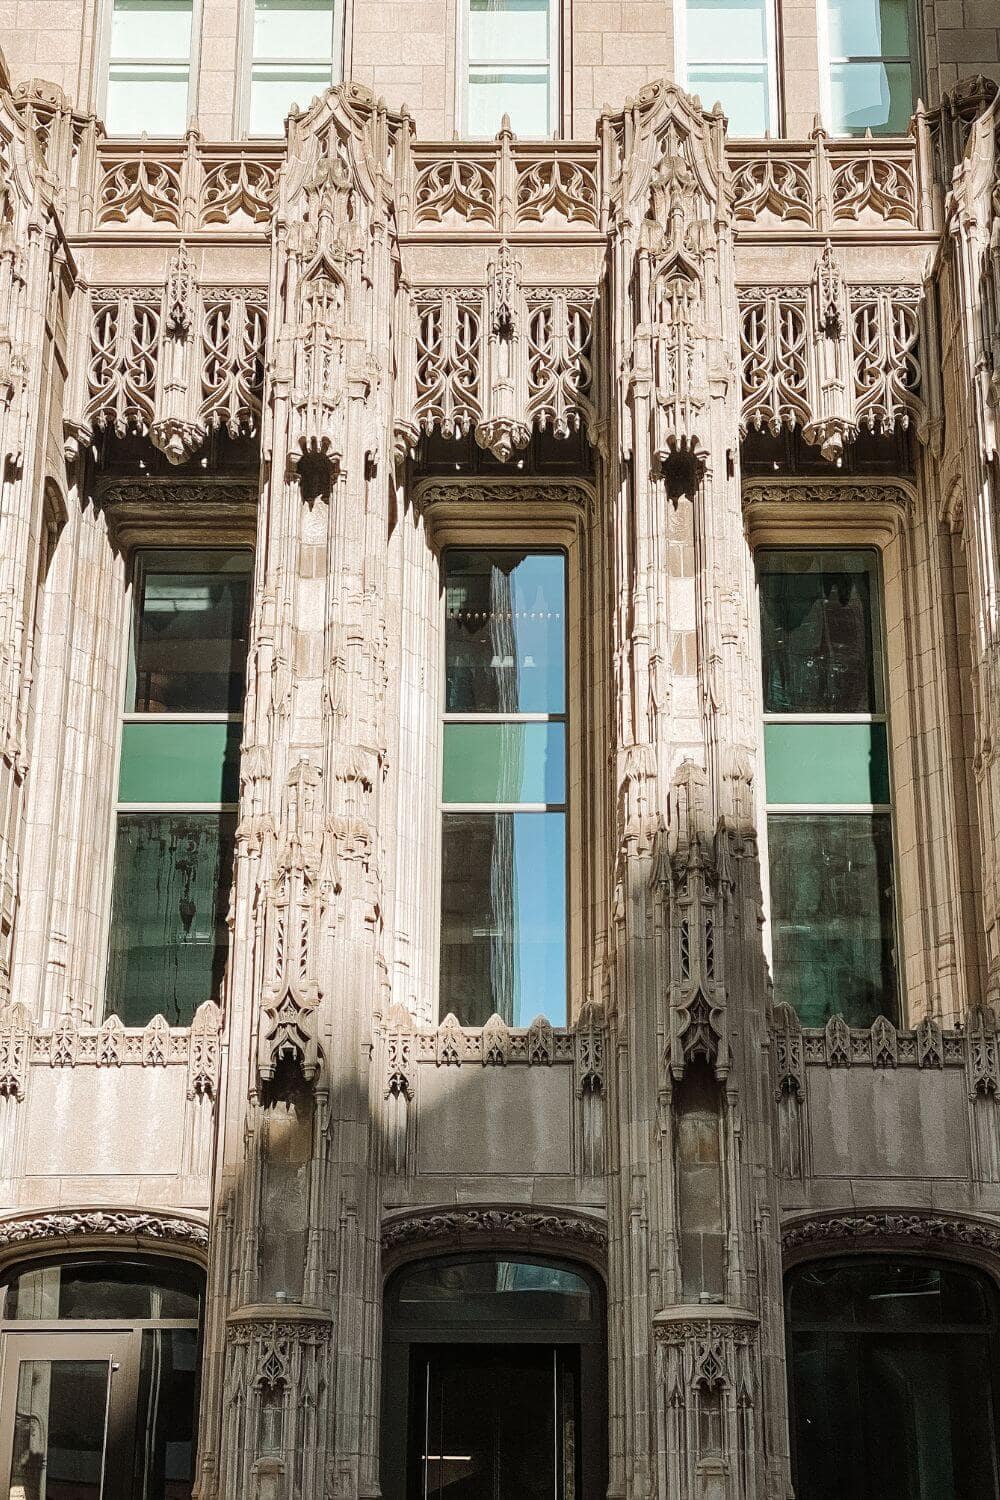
x: 494, y: 1382
x: 892, y: 1366
x: 98, y: 1397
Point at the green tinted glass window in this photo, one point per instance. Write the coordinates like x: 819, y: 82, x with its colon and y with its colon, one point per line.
x: 190, y: 633
x: 168, y: 914
x: 826, y: 763
x: 180, y: 762
x: 505, y: 763
x: 832, y: 915
x: 820, y: 640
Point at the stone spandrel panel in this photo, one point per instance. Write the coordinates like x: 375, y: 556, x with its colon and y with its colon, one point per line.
x: 495, y: 1122
x: 100, y: 1121
x: 881, y: 1124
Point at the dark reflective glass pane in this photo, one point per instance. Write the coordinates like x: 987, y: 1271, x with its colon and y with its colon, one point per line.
x: 190, y: 632
x: 493, y: 1423
x: 102, y: 1289
x: 165, y: 1415
x: 505, y: 631
x: 904, y: 1293
x: 820, y: 640
x: 506, y: 1292
x: 832, y: 921
x: 59, y: 1430
x: 169, y: 939
x: 892, y: 1417
x: 503, y: 929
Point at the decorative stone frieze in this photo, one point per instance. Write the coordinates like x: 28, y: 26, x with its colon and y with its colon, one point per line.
x: 461, y: 1225
x: 831, y: 359
x: 826, y: 1232
x: 103, y: 1223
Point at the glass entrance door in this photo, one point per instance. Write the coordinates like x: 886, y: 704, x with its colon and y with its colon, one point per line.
x: 493, y: 1423
x: 61, y: 1416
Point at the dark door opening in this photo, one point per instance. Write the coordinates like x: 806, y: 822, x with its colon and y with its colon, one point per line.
x: 494, y: 1382
x: 493, y: 1423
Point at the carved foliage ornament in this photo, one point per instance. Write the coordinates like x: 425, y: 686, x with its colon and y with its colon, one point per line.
x: 517, y: 1223
x: 925, y: 1229
x: 99, y: 1223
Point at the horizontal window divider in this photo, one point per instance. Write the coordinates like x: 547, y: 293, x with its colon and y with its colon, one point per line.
x: 775, y: 718
x: 133, y: 717
x: 472, y: 718
x: 176, y: 807
x: 783, y: 808
x: 503, y: 807
x: 874, y: 57
x: 101, y: 1325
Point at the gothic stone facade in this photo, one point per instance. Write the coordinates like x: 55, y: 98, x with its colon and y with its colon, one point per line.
x: 656, y: 348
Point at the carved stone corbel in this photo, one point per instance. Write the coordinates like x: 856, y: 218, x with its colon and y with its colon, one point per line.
x: 831, y: 423
x: 176, y: 430
x: 503, y: 428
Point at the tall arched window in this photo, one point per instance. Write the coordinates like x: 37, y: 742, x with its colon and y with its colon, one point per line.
x: 892, y: 1376
x: 100, y: 1374
x: 493, y: 1382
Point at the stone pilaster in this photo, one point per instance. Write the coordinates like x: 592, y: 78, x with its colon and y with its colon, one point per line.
x: 697, y: 1364
x: 296, y: 1196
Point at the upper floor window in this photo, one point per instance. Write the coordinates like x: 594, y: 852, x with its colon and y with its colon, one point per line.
x: 296, y: 55
x: 829, y: 825
x: 503, y: 929
x: 178, y: 783
x: 149, y: 71
x: 727, y: 54
x: 509, y: 47
x: 870, y: 66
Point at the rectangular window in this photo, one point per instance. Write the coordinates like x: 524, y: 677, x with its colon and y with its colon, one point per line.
x: 178, y: 783
x: 509, y: 47
x: 296, y: 55
x: 149, y: 71
x: 829, y: 825
x: 728, y: 56
x: 503, y: 926
x: 870, y: 47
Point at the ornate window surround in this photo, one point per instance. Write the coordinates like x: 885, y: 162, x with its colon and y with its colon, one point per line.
x: 854, y: 513
x: 534, y: 513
